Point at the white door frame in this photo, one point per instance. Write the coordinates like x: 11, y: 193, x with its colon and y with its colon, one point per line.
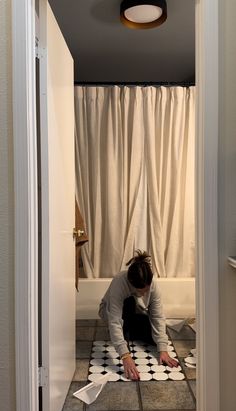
x: 207, y: 129
x: 25, y: 173
x: 25, y: 189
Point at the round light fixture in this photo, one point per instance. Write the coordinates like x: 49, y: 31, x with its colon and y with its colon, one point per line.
x: 137, y: 14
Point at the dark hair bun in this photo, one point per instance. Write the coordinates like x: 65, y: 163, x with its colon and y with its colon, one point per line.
x: 140, y: 271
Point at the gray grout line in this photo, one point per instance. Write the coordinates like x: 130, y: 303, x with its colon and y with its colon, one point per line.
x: 191, y: 391
x: 184, y: 372
x: 139, y: 397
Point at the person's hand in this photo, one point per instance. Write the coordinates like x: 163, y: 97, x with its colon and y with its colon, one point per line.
x: 131, y: 371
x: 167, y: 360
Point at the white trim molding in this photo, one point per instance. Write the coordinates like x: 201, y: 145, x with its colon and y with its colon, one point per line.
x: 25, y: 180
x: 207, y: 33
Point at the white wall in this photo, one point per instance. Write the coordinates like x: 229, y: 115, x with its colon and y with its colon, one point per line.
x: 7, y: 373
x: 227, y: 202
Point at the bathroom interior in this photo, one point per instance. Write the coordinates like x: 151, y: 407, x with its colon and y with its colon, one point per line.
x: 134, y: 149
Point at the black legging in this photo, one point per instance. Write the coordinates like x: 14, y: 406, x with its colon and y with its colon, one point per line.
x: 136, y: 326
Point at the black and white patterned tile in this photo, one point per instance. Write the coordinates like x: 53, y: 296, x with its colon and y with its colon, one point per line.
x: 104, y: 359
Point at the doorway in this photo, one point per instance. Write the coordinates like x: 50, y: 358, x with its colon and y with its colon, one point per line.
x: 206, y: 165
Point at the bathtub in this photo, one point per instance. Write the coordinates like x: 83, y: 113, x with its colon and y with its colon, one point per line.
x: 178, y: 297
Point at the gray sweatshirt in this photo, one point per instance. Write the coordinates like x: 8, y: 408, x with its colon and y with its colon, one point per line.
x: 111, y: 308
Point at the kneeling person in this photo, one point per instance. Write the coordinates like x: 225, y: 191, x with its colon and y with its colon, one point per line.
x: 132, y: 309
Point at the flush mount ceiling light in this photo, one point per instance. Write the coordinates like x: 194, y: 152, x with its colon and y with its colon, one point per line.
x: 137, y: 14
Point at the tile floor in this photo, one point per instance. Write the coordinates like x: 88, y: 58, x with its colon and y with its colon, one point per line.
x: 133, y: 396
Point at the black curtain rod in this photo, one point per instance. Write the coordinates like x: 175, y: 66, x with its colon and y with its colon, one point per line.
x: 137, y: 83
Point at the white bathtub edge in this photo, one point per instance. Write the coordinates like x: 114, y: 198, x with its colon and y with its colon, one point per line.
x: 178, y: 297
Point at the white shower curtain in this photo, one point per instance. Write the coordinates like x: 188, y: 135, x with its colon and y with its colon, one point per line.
x: 135, y: 177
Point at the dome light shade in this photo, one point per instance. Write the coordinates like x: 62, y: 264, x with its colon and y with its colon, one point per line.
x: 144, y: 14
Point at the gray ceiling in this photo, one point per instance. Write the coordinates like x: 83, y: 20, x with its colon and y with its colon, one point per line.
x: 106, y: 51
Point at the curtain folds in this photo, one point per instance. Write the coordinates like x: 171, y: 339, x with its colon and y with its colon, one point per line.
x: 135, y: 177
